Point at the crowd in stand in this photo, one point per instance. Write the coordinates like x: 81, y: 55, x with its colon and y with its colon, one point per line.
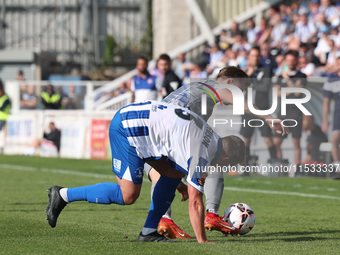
x: 50, y: 98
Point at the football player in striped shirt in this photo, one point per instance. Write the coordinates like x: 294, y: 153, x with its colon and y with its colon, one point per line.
x: 175, y: 142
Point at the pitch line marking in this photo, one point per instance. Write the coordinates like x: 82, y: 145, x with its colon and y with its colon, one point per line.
x: 71, y: 172
x: 274, y: 192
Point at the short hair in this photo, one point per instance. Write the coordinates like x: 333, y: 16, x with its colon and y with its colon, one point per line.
x: 165, y: 57
x: 235, y: 148
x: 255, y: 48
x: 294, y: 53
x: 234, y: 72
x: 143, y: 58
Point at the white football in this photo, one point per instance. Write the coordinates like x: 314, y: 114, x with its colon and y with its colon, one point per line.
x: 241, y: 216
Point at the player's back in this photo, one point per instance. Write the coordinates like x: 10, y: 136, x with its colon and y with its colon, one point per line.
x: 157, y: 129
x: 154, y: 129
x: 190, y: 96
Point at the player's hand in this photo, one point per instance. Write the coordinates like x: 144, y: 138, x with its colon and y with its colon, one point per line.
x: 276, y: 125
x: 183, y: 189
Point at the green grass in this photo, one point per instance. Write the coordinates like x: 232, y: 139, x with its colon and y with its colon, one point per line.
x: 285, y: 223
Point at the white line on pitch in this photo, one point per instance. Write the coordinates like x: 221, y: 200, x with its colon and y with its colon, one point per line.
x: 71, y: 172
x: 274, y: 192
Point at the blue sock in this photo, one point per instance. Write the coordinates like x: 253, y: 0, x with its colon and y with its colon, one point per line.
x: 101, y: 193
x: 162, y: 198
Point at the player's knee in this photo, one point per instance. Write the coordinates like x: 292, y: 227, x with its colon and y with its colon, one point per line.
x: 129, y: 200
x: 335, y: 139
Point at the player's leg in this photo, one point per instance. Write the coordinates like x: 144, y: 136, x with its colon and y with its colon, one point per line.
x: 266, y: 134
x: 162, y: 197
x: 154, y: 177
x: 335, y: 140
x: 297, y: 150
x: 125, y: 192
x: 125, y: 164
x: 166, y: 226
x: 247, y: 133
x: 213, y: 191
x: 277, y: 140
x: 296, y: 134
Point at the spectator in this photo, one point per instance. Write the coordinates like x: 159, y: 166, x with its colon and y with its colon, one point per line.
x: 235, y: 33
x: 241, y: 44
x: 335, y: 36
x: 182, y: 66
x: 279, y: 31
x: 332, y: 55
x: 29, y: 99
x: 50, y: 99
x: 222, y: 40
x: 21, y: 80
x: 20, y: 76
x: 5, y: 106
x: 314, y: 11
x: 322, y: 47
x: 266, y: 58
x: 307, y: 68
x: 261, y: 81
x: 331, y: 91
x: 49, y: 145
x: 143, y: 85
x: 263, y: 33
x: 291, y: 77
x: 242, y: 58
x: 156, y: 72
x: 71, y: 100
x: 305, y: 30
x: 314, y: 139
x: 198, y: 71
x: 321, y: 24
x: 216, y: 56
x: 171, y: 81
x: 251, y: 31
x: 232, y: 61
x: 279, y: 60
x: 330, y: 11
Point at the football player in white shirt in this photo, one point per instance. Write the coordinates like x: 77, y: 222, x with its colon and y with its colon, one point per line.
x: 173, y: 141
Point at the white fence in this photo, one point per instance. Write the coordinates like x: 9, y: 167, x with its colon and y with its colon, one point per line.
x: 84, y: 133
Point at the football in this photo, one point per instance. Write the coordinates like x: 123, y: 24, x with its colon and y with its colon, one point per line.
x: 241, y: 216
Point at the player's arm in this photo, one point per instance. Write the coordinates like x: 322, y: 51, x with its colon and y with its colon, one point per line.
x: 196, y: 213
x: 275, y: 124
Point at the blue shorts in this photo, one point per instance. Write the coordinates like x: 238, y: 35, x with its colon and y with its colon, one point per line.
x: 125, y: 162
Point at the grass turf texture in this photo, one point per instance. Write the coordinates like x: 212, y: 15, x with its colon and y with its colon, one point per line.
x: 285, y: 223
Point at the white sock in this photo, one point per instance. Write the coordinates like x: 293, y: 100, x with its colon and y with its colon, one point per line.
x: 63, y: 194
x: 212, y: 211
x: 147, y: 231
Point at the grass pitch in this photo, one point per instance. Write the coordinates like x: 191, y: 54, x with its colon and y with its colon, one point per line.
x: 293, y: 216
